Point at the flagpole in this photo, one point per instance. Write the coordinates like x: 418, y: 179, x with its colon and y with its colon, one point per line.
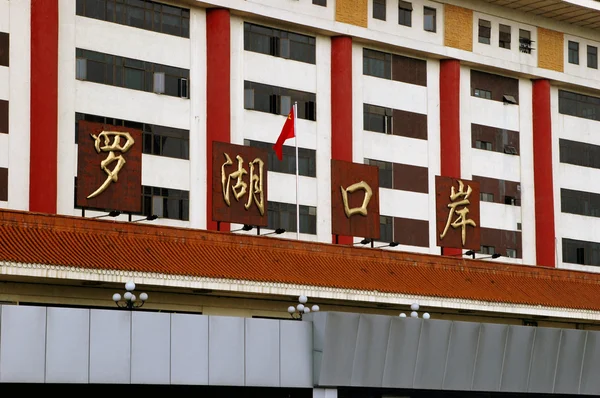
x: 297, y: 173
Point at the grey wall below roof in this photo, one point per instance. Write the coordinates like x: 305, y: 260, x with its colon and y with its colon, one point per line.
x: 68, y: 345
x: 391, y: 352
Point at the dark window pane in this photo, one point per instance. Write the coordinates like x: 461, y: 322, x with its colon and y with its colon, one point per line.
x: 429, y: 19
x: 379, y: 9
x: 96, y: 71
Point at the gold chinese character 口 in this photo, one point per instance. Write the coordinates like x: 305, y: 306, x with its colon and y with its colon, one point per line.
x: 111, y: 148
x: 462, y: 221
x: 362, y: 210
x: 240, y: 188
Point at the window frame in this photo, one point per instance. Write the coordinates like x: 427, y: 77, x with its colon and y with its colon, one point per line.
x: 405, y: 10
x: 379, y: 10
x: 482, y: 25
x: 573, y: 52
x: 504, y: 37
x: 430, y: 12
x: 592, y: 56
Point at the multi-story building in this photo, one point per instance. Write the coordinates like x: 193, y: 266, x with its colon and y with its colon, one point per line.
x: 502, y: 93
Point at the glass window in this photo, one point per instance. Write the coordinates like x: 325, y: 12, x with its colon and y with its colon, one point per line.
x: 276, y: 100
x: 320, y: 3
x: 486, y: 197
x: 165, y: 203
x: 525, y: 41
x: 386, y: 172
x: 404, y: 13
x: 479, y: 93
x: 487, y: 250
x: 578, y: 105
x: 573, y: 52
x: 429, y: 19
x: 486, y: 146
x: 307, y: 163
x: 581, y: 252
x: 386, y: 229
x: 377, y: 63
x: 592, y: 57
x: 485, y: 31
x: 377, y: 118
x: 579, y: 202
x: 379, y: 9
x: 504, y: 36
x: 511, y: 253
x: 283, y: 215
x: 279, y: 43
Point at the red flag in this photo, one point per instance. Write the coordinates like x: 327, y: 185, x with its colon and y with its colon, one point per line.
x: 287, y: 132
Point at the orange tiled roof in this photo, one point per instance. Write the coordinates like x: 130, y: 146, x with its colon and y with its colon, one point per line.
x: 102, y: 244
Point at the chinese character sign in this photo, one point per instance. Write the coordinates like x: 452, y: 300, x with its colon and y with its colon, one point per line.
x: 109, y: 170
x: 457, y: 218
x: 354, y: 199
x: 239, y: 184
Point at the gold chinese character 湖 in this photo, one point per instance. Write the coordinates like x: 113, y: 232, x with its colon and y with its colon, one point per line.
x: 352, y: 188
x: 111, y: 148
x: 462, y: 221
x: 254, y: 188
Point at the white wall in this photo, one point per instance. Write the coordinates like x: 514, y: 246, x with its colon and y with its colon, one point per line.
x: 581, y: 69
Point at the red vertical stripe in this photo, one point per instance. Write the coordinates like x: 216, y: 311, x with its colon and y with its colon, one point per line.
x: 43, y: 148
x: 218, y: 101
x: 341, y: 104
x: 542, y: 174
x: 450, y: 124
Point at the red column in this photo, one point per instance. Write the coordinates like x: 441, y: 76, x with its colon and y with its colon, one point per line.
x: 450, y: 124
x: 341, y: 104
x: 43, y: 150
x: 218, y: 101
x: 542, y: 175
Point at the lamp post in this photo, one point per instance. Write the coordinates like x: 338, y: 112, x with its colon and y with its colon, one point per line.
x: 129, y: 300
x: 414, y: 314
x: 302, y: 308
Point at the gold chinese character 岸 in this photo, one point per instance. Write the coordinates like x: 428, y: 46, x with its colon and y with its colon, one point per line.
x: 362, y: 210
x: 254, y: 188
x: 111, y: 148
x: 462, y: 221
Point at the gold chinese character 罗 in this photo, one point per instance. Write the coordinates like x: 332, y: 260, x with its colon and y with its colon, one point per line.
x: 362, y: 210
x: 255, y: 190
x: 462, y: 221
x: 111, y: 148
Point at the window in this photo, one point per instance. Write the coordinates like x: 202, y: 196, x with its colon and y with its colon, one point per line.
x: 278, y: 100
x: 279, y: 43
x: 283, y: 215
x: 131, y: 73
x: 592, y: 57
x: 386, y: 172
x: 4, y: 47
x: 379, y: 9
x: 510, y: 200
x: 376, y: 63
x: 386, y: 229
x: 320, y: 3
x: 141, y: 14
x: 477, y: 92
x: 487, y: 250
x: 579, y: 202
x: 579, y: 153
x: 3, y: 184
x: 511, y: 253
x: 3, y: 117
x: 486, y: 146
x: 157, y: 140
x: 429, y: 23
x: 486, y: 197
x: 578, y: 105
x: 581, y: 252
x: 485, y: 31
x: 525, y: 41
x: 573, y: 52
x: 404, y: 13
x: 377, y: 118
x: 165, y: 203
x: 307, y: 163
x: 504, y: 37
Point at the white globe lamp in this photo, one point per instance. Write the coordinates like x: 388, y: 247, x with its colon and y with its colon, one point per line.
x: 143, y: 296
x: 130, y: 286
x: 302, y: 299
x: 116, y: 297
x: 315, y: 308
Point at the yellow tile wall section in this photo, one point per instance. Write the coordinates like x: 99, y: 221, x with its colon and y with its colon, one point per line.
x: 458, y: 27
x: 550, y: 49
x: 354, y: 12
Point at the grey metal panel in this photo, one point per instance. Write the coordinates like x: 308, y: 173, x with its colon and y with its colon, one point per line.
x: 110, y: 346
x: 490, y: 354
x: 262, y: 352
x: 319, y: 321
x: 67, y: 345
x: 371, y: 347
x: 189, y: 349
x: 590, y: 380
x: 150, y: 348
x: 401, y: 355
x: 226, y: 351
x: 431, y: 357
x: 340, y: 345
x: 517, y: 358
x: 462, y: 352
x: 543, y: 360
x: 570, y: 359
x: 23, y: 345
x: 296, y: 355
